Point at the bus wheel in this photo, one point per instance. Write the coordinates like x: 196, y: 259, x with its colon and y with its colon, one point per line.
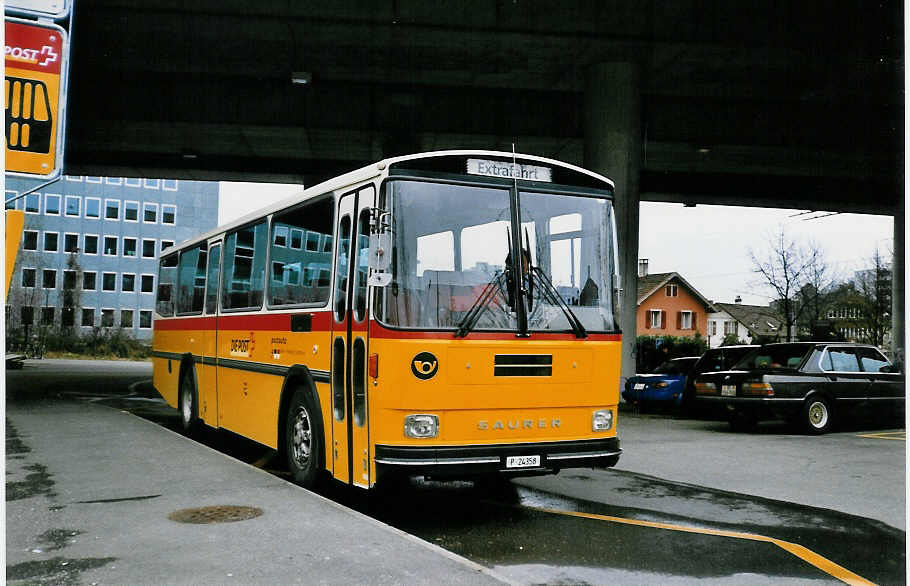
x: 303, y: 440
x: 189, y: 407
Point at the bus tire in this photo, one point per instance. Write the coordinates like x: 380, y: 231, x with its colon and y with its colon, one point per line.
x: 303, y: 442
x: 188, y: 402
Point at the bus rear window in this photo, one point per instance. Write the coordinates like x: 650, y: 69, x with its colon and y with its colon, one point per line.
x: 167, y: 278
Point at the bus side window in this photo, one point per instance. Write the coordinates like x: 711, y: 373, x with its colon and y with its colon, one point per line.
x: 244, y: 268
x: 167, y: 277
x: 293, y: 267
x: 211, y: 294
x: 191, y: 280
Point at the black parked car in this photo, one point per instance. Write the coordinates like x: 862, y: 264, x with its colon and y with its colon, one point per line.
x: 722, y: 358
x: 809, y: 383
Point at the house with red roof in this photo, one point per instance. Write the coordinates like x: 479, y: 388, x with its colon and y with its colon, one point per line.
x: 668, y: 305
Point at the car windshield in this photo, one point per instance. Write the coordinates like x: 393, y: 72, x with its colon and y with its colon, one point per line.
x: 675, y: 366
x: 451, y: 266
x: 774, y: 356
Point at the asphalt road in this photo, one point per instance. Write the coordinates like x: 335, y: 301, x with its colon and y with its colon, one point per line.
x: 689, y: 501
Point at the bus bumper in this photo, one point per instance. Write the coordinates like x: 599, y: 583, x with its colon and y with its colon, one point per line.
x: 480, y: 460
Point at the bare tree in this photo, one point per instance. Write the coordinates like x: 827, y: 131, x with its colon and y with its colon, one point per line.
x: 874, y: 287
x: 786, y: 270
x: 816, y: 293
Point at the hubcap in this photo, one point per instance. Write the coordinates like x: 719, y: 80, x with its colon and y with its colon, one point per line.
x: 818, y: 414
x: 186, y: 406
x: 301, y: 438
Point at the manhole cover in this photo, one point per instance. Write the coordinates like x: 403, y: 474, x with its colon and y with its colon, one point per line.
x: 217, y: 514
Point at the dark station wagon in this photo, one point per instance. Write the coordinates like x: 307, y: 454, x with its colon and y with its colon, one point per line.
x: 809, y: 383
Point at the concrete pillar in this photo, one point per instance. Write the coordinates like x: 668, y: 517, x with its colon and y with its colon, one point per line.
x: 898, y: 348
x: 613, y: 148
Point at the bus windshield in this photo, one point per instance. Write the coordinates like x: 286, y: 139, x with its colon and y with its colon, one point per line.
x: 452, y: 256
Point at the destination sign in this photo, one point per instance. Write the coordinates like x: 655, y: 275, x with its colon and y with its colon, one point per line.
x: 509, y: 170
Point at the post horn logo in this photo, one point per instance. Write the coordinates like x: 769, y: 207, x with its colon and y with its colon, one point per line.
x: 424, y: 366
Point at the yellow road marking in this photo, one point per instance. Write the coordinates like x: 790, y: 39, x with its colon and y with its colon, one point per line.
x: 886, y: 435
x: 805, y: 554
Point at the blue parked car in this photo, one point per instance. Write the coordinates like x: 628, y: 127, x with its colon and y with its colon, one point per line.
x: 666, y: 383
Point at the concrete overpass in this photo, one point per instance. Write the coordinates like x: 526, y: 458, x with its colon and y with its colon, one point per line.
x: 695, y: 101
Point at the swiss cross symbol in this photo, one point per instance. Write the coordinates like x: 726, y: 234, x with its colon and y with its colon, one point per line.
x: 49, y: 55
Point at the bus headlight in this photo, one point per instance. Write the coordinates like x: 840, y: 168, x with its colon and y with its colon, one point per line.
x: 602, y: 420
x: 421, y: 426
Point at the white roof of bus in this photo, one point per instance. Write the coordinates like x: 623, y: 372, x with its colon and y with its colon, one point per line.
x: 360, y: 175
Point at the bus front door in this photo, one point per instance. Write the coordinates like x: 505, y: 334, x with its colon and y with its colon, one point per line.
x: 350, y: 342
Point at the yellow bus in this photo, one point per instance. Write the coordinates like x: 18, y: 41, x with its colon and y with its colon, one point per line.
x: 445, y: 314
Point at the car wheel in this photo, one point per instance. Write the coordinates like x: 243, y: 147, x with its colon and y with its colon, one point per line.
x: 818, y: 416
x: 303, y: 439
x: 188, y: 403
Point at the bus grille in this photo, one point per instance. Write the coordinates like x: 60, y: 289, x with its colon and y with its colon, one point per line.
x: 523, y: 365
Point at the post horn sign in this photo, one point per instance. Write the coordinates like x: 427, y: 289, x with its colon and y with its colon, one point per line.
x: 34, y: 97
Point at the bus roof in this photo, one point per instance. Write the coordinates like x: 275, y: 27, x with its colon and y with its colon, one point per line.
x: 359, y: 176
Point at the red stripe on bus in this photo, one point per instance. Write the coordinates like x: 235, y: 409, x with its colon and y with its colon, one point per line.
x: 322, y: 322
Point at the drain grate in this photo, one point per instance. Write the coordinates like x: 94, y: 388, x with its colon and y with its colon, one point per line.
x: 216, y: 514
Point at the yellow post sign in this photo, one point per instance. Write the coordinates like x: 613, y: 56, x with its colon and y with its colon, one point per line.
x: 15, y: 221
x: 34, y: 97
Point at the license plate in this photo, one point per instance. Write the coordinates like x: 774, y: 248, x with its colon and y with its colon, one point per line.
x: 728, y: 390
x: 639, y: 386
x: 522, y: 461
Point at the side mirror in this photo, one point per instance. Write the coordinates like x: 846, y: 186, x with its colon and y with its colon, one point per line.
x: 380, y: 259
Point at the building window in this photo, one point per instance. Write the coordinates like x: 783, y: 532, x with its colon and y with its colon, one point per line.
x: 147, y: 283
x: 50, y: 241
x: 47, y: 316
x: 92, y: 179
x: 150, y: 213
x: 88, y: 317
x: 113, y: 180
x: 49, y: 278
x: 169, y: 184
x: 145, y: 319
x: 88, y: 280
x: 672, y: 290
x: 90, y: 244
x: 655, y: 319
x: 11, y: 199
x: 152, y: 183
x: 128, y: 282
x: 74, y: 178
x: 92, y: 208
x: 685, y: 320
x: 112, y: 209
x: 110, y: 246
x: 129, y: 247
x: 713, y: 328
x: 109, y: 282
x: 29, y: 240
x: 33, y: 203
x: 166, y: 244
x: 51, y: 204
x: 28, y: 277
x: 148, y: 248
x: 126, y: 318
x: 69, y: 280
x: 132, y: 182
x: 107, y: 318
x: 73, y: 206
x: 168, y: 214
x: 70, y: 243
x: 131, y: 211
x: 68, y: 316
x: 27, y: 315
x: 730, y: 328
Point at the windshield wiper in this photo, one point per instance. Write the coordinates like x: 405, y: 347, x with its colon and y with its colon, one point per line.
x: 481, y: 304
x: 551, y: 294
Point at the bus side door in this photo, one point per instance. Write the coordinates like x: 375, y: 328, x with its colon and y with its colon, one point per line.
x: 208, y: 379
x: 350, y: 429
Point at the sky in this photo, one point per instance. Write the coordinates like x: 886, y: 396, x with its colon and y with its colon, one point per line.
x: 707, y: 245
